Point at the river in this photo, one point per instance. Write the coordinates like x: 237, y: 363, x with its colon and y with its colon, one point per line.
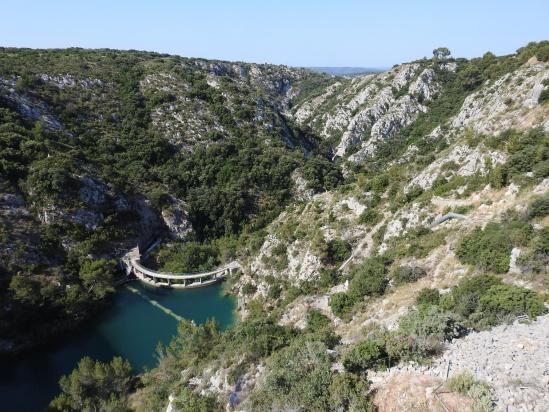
x: 131, y: 327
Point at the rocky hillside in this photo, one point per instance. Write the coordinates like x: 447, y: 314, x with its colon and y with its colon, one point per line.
x: 102, y: 149
x: 432, y: 235
x: 380, y: 220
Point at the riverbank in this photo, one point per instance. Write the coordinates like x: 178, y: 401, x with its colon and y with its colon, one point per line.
x: 131, y: 327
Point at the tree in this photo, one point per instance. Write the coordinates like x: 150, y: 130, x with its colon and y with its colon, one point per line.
x: 341, y: 304
x: 369, y: 354
x: 97, y: 277
x: 95, y: 386
x: 24, y: 289
x: 369, y: 279
x: 441, y: 53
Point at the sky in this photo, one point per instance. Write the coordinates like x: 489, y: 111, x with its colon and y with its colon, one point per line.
x: 297, y: 33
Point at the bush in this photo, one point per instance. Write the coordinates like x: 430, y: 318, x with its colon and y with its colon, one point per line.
x: 349, y: 392
x: 369, y: 217
x: 465, y: 297
x: 249, y: 289
x: 366, y: 355
x: 369, y: 279
x: 543, y: 96
x: 189, y: 401
x: 321, y: 174
x: 479, y: 392
x: 430, y: 321
x: 97, y: 277
x: 341, y: 304
x: 274, y: 291
x: 413, y: 193
x: 505, y: 302
x: 189, y: 257
x: 94, y: 385
x: 537, y: 258
x: 541, y: 169
x: 483, y: 301
x: 407, y: 274
x: 335, y: 252
x: 298, y: 378
x: 490, y: 249
x: 539, y: 207
x: 428, y: 296
x: 316, y: 321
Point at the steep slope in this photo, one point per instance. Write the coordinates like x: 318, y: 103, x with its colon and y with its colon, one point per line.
x: 376, y: 218
x: 420, y: 141
x: 102, y: 149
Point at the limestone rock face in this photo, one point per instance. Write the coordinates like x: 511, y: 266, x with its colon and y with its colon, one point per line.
x: 92, y: 193
x: 177, y: 220
x: 28, y: 106
x: 503, y: 104
x: 465, y: 160
x: 370, y: 109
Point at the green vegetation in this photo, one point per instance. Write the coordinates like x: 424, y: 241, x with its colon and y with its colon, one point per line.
x: 479, y: 392
x: 489, y: 249
x: 367, y: 355
x: 299, y: 376
x: 539, y: 207
x: 428, y: 296
x: 94, y: 386
x: 341, y: 304
x: 335, y: 252
x: 233, y: 174
x: 189, y: 257
x: 233, y: 178
x: 528, y: 152
x: 456, y: 86
x: 407, y: 274
x: 369, y: 217
x: 483, y: 301
x: 322, y: 174
x: 369, y: 279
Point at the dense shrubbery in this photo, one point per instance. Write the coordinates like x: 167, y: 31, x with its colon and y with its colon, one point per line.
x: 539, y: 207
x: 489, y: 249
x: 427, y: 296
x: 369, y: 217
x: 335, y: 251
x: 369, y: 278
x: 476, y: 302
x: 528, y: 152
x: 536, y: 259
x: 417, y: 242
x: 299, y: 377
x: 95, y: 386
x: 369, y: 354
x: 407, y: 274
x: 483, y: 301
x: 189, y: 257
x: 479, y: 392
x: 322, y: 174
x: 341, y: 304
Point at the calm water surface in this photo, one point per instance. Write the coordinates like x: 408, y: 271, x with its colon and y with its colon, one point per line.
x: 131, y: 328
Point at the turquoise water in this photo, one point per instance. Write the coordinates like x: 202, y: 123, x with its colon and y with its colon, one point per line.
x: 131, y: 328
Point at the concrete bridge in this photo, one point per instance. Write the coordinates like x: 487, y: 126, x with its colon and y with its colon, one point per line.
x: 151, y: 277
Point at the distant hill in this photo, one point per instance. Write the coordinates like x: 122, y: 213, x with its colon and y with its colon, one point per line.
x: 345, y: 71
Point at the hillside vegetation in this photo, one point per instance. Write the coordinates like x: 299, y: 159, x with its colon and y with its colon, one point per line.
x: 333, y: 194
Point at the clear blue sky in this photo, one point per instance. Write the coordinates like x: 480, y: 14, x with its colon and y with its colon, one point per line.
x: 300, y: 33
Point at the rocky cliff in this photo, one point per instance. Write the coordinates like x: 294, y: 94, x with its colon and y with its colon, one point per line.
x: 379, y: 218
